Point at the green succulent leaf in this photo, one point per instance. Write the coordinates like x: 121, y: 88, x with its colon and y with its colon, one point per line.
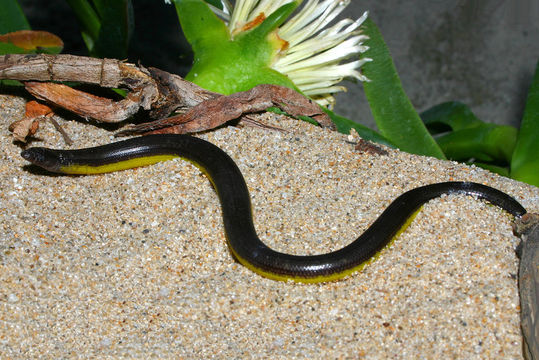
x: 452, y: 115
x: 485, y: 142
x: 201, y: 27
x: 525, y: 160
x: 393, y: 112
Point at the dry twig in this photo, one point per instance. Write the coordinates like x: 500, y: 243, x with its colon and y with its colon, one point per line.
x: 157, y: 91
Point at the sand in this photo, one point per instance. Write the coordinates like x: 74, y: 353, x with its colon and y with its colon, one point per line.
x: 134, y: 264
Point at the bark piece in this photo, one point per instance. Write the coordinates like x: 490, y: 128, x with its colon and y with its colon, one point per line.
x: 176, y: 94
x: 103, y: 72
x: 528, y: 282
x: 84, y: 104
x: 217, y: 111
x: 151, y: 89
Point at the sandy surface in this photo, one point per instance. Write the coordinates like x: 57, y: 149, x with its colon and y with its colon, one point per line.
x: 134, y: 264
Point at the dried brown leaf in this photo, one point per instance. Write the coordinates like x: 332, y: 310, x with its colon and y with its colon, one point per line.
x: 28, y: 126
x: 31, y: 40
x: 217, y: 111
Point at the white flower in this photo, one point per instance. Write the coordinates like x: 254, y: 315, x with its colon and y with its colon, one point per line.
x: 314, y: 54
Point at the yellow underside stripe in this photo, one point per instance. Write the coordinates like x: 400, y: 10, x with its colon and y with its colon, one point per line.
x: 117, y: 166
x: 329, y: 277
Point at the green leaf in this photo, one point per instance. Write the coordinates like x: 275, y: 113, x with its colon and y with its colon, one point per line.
x: 525, y: 160
x: 201, y: 27
x: 88, y: 19
x: 10, y: 83
x: 9, y: 48
x: 117, y: 23
x: 11, y: 17
x: 394, y: 114
x: 107, y: 26
x: 452, y: 115
x: 485, y: 142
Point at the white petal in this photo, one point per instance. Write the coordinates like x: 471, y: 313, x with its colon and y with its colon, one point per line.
x: 334, y: 34
x: 333, y: 73
x: 247, y: 10
x: 325, y: 90
x: 242, y: 9
x: 223, y: 14
x: 312, y: 21
x: 316, y: 46
x: 325, y: 100
x: 304, y: 16
x: 340, y: 52
x: 267, y: 7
